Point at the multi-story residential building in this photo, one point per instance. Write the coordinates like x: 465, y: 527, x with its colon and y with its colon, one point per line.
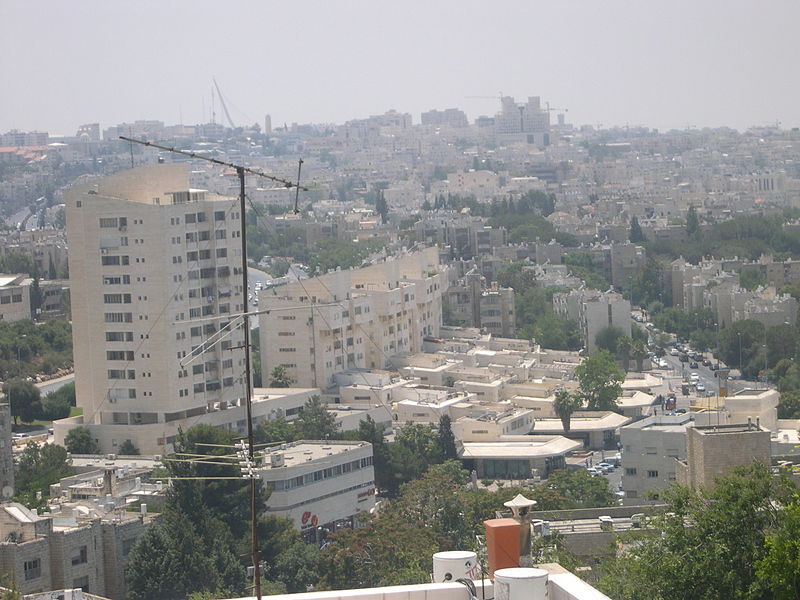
x: 472, y: 304
x: 351, y: 319
x: 650, y: 448
x: 319, y: 483
x: 526, y: 123
x: 156, y: 284
x: 68, y: 551
x: 594, y: 311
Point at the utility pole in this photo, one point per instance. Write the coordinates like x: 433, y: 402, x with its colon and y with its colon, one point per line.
x: 250, y: 452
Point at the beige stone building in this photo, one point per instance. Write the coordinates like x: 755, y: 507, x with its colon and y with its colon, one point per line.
x: 713, y: 451
x: 351, y: 319
x: 67, y: 551
x: 155, y: 279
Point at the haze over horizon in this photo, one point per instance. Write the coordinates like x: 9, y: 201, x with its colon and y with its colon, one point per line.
x: 662, y: 65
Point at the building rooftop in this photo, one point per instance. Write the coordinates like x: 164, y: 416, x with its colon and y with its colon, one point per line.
x: 303, y: 451
x: 520, y: 447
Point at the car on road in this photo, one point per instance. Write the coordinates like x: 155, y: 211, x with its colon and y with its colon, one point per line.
x: 706, y: 362
x: 693, y: 365
x: 593, y: 471
x: 605, y: 467
x: 700, y: 387
x: 694, y: 377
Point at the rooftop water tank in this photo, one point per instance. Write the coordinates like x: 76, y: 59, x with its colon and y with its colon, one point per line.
x: 520, y: 583
x: 456, y: 564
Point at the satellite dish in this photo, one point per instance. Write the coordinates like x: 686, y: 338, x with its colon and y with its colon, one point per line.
x: 7, y: 491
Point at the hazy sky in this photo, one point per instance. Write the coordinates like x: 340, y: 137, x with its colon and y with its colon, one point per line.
x: 660, y: 64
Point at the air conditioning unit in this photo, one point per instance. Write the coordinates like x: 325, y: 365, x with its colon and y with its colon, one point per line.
x: 123, y: 228
x: 103, y: 250
x: 210, y: 298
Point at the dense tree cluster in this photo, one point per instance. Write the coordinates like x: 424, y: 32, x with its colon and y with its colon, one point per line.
x: 736, y: 540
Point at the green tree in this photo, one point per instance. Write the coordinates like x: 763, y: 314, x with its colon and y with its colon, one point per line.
x: 608, y: 338
x: 127, y: 448
x: 446, y: 439
x: 315, y: 422
x: 36, y: 469
x: 279, y: 378
x: 177, y: 556
x: 54, y: 407
x: 579, y: 489
x: 599, y: 380
x: 564, y: 404
x: 275, y: 431
x: 636, y: 234
x: 779, y: 568
x: 750, y: 278
x: 25, y: 400
x: 743, y: 339
x: 296, y: 566
x: 381, y: 207
x: 789, y: 405
x: 79, y: 440
x: 692, y: 222
x: 414, y: 449
x: 708, y: 545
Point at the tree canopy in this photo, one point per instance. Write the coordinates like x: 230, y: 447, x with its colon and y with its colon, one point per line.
x: 599, y: 380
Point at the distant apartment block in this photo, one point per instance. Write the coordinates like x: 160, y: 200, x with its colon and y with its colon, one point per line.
x: 472, y: 304
x: 594, y: 311
x: 351, y: 319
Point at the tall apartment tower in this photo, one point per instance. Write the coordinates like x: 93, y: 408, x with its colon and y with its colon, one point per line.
x: 155, y: 274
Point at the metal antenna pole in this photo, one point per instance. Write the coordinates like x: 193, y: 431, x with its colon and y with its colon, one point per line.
x: 247, y: 380
x: 297, y: 191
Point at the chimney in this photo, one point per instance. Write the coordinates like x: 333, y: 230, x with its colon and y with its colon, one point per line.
x: 502, y: 544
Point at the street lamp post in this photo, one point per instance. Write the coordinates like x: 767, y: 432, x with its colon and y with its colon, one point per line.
x: 739, y: 335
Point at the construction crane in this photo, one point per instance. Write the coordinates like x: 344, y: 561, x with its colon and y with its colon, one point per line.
x: 224, y: 106
x: 500, y: 96
x: 548, y: 108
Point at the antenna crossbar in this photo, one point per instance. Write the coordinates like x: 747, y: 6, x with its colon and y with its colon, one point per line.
x: 285, y: 182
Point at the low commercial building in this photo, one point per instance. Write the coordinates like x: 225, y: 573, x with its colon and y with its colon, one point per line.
x: 596, y: 430
x: 517, y: 457
x: 319, y: 484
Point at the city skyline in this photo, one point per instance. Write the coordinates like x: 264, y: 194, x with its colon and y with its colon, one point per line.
x: 662, y: 66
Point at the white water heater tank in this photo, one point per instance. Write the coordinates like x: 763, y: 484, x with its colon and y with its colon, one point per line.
x: 520, y: 583
x: 456, y: 564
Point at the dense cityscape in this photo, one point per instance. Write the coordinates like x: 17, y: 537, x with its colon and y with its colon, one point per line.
x: 293, y: 304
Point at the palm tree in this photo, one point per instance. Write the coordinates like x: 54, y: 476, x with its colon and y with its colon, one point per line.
x: 639, y: 353
x: 564, y: 405
x: 624, y: 348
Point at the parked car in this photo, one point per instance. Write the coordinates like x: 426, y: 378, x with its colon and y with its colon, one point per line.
x: 694, y: 377
x: 701, y: 387
x: 593, y: 471
x: 605, y: 467
x: 706, y: 362
x: 693, y: 365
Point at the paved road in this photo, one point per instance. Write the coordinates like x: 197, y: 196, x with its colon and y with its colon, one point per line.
x: 51, y: 386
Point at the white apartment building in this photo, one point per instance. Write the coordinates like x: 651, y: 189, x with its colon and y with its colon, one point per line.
x: 15, y: 297
x: 319, y: 484
x: 155, y: 273
x: 351, y: 319
x: 650, y: 448
x: 594, y: 311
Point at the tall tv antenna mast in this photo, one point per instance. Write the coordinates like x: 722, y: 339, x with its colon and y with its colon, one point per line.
x: 241, y: 171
